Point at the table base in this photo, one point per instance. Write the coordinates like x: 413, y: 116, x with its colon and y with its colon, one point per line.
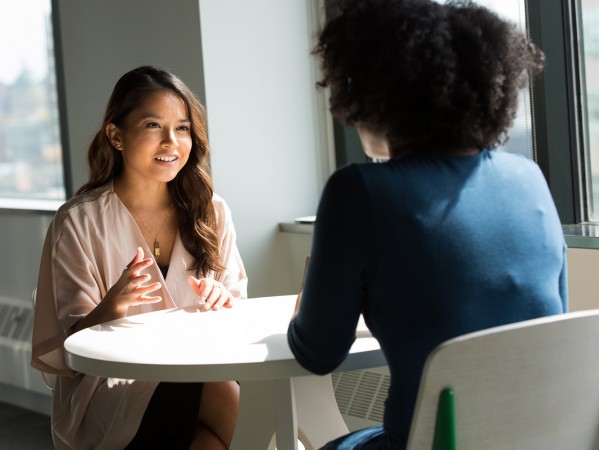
x: 268, y: 419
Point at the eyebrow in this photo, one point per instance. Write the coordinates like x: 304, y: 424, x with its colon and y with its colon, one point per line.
x: 156, y: 116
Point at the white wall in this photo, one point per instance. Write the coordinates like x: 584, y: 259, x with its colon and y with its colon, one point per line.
x: 583, y: 278
x: 267, y: 157
x: 101, y: 40
x: 22, y: 235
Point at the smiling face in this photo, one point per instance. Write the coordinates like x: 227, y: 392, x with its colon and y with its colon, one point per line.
x: 155, y: 139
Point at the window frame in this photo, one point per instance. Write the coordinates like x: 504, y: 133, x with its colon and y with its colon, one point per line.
x: 557, y: 107
x: 61, y: 98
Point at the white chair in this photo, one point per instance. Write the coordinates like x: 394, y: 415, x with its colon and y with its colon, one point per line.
x: 49, y: 378
x: 532, y: 385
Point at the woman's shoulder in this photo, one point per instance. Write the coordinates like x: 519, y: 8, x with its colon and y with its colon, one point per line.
x: 356, y: 171
x: 508, y: 158
x: 515, y: 164
x: 358, y: 177
x: 84, y: 204
x: 223, y: 212
x: 219, y: 202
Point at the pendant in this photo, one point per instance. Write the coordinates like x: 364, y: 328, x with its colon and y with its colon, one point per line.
x: 156, y: 248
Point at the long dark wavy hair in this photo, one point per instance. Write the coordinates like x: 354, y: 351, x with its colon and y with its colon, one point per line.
x: 191, y: 190
x: 426, y: 75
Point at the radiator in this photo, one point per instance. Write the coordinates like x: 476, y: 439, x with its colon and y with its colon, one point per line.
x: 361, y: 396
x: 16, y: 320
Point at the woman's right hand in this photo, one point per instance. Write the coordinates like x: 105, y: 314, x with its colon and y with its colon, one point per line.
x: 129, y: 290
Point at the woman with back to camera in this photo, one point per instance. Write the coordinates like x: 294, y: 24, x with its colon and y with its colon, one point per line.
x: 145, y: 233
x: 448, y: 236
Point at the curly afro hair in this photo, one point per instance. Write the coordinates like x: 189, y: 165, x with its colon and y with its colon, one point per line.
x: 425, y: 75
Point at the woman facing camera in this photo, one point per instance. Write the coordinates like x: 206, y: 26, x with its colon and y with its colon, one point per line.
x: 449, y: 235
x: 145, y: 233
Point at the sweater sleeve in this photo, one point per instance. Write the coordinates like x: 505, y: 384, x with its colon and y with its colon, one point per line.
x: 334, y: 288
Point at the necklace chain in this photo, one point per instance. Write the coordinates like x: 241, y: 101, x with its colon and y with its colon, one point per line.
x: 156, y: 243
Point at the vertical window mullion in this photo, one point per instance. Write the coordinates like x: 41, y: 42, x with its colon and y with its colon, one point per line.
x: 555, y: 107
x: 61, y: 97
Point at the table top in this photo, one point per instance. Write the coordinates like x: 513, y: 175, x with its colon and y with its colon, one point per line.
x: 244, y: 343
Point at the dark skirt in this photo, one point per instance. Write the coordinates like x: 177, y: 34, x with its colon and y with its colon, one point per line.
x: 170, y: 418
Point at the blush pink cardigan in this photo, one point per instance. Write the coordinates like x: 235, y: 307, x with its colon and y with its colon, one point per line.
x: 90, y: 241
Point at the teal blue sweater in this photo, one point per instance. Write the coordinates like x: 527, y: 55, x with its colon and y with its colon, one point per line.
x: 427, y: 247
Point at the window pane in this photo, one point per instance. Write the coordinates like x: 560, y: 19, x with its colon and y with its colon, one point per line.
x: 30, y: 146
x: 590, y: 33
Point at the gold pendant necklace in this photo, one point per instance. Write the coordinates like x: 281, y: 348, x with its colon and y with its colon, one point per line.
x: 156, y: 243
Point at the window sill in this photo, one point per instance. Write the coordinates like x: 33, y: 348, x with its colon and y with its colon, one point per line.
x: 584, y: 235
x: 577, y: 236
x: 301, y: 225
x: 298, y: 228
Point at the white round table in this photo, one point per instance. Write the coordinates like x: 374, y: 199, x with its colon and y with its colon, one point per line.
x: 247, y: 343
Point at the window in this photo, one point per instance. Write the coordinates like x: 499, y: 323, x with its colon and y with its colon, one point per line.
x: 589, y: 21
x: 31, y: 164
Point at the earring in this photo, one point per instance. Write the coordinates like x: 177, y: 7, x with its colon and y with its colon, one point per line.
x: 118, y: 145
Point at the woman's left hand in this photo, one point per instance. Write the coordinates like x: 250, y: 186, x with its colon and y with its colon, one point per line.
x: 213, y: 294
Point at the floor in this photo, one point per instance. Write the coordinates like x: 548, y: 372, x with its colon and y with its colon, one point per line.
x: 21, y: 429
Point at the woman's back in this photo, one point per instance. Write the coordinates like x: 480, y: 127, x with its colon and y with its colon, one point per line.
x: 440, y: 246
x: 446, y: 237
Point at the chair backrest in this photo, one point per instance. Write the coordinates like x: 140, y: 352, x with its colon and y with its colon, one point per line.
x: 531, y: 385
x: 49, y: 378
